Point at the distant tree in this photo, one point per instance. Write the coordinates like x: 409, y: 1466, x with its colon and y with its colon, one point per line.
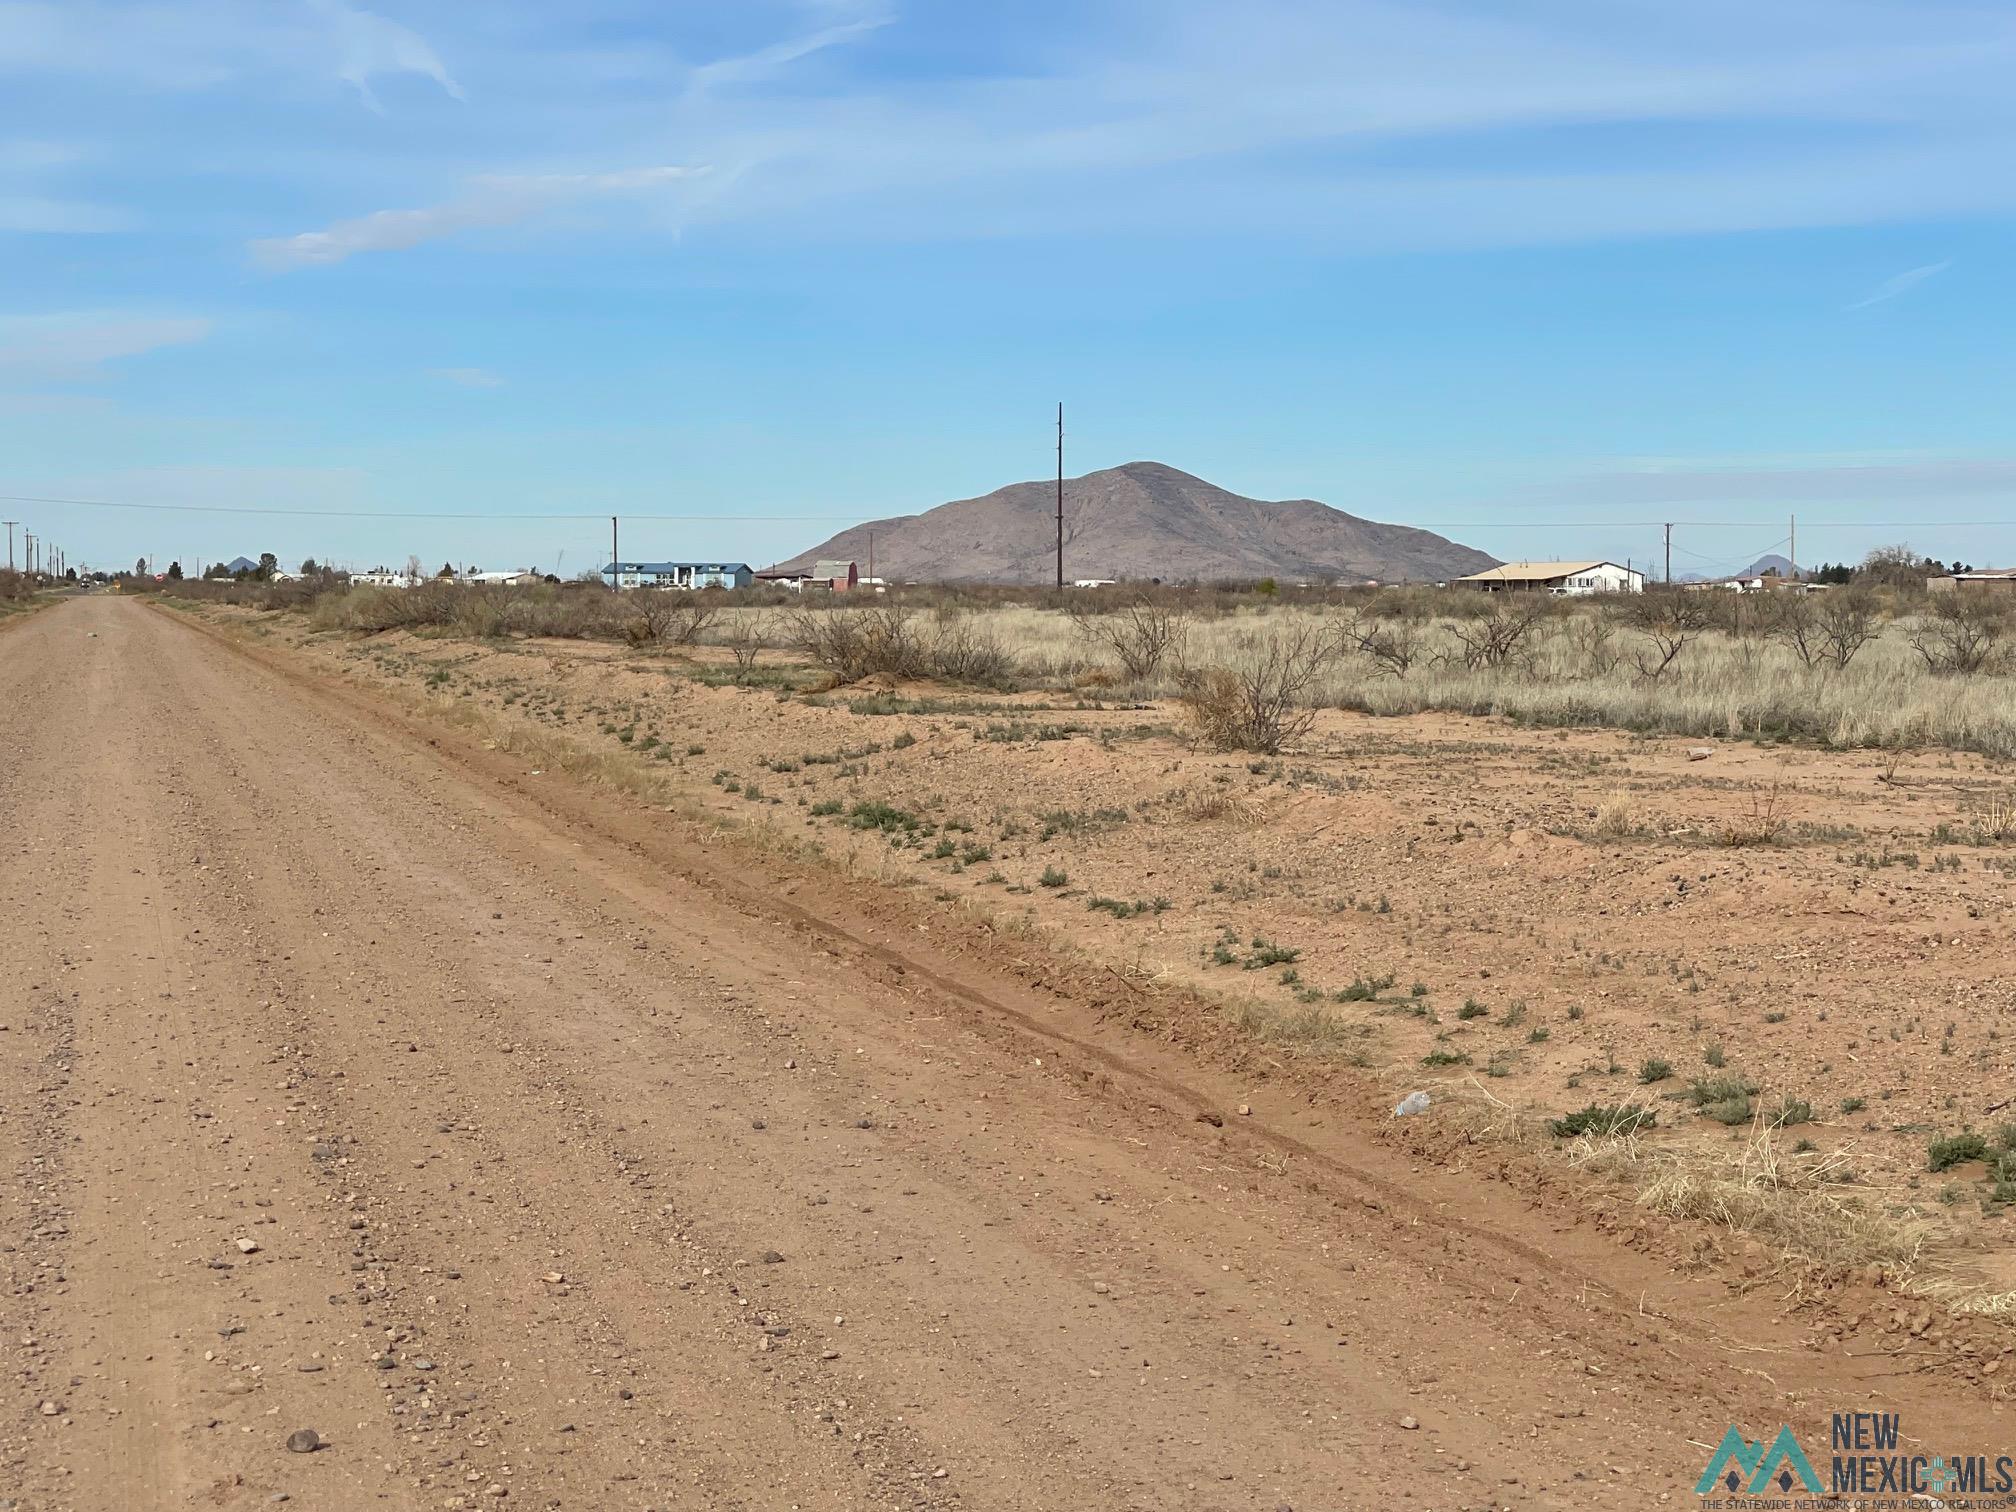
x: 268, y: 565
x: 174, y: 572
x: 310, y: 567
x: 140, y: 567
x: 447, y: 570
x: 1895, y: 567
x: 414, y: 571
x: 216, y: 570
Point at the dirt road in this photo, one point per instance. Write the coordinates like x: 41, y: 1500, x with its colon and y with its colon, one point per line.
x: 350, y: 1082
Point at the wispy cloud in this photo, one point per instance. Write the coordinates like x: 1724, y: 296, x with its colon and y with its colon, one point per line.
x: 467, y: 377
x: 491, y: 200
x: 1903, y: 283
x: 69, y: 347
x: 1822, y: 480
x: 198, y: 44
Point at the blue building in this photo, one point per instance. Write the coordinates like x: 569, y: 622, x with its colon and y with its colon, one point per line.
x: 679, y: 574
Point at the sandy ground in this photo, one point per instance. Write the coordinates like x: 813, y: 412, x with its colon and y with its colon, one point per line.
x: 352, y: 1079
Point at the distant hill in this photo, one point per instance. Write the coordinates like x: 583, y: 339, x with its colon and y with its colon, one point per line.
x: 1770, y: 565
x: 1766, y: 566
x: 1143, y: 520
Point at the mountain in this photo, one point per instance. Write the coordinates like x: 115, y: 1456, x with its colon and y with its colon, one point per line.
x: 1766, y: 566
x: 1143, y: 520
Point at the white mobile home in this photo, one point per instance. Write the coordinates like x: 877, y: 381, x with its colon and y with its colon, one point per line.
x: 1557, y: 578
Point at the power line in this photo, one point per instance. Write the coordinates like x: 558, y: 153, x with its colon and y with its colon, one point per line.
x: 1499, y: 523
x: 393, y: 514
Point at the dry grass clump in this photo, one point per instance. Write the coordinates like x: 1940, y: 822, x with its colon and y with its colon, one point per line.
x: 1802, y: 1203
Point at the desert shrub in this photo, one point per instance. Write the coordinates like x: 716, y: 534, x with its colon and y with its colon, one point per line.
x: 1599, y: 1119
x: 1498, y: 637
x: 746, y: 641
x: 1654, y: 1070
x: 1961, y: 632
x: 677, y: 616
x: 1669, y: 620
x: 1953, y: 1149
x: 1140, y: 633
x: 1260, y: 701
x: 961, y: 652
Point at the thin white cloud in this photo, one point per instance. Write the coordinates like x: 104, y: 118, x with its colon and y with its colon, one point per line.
x: 201, y: 44
x: 1903, y: 283
x: 467, y: 377
x: 69, y: 347
x: 491, y: 200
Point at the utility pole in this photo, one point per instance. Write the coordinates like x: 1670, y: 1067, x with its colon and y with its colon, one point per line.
x: 1669, y: 552
x: 1794, y: 548
x: 615, y: 558
x: 28, y: 550
x: 1060, y: 499
x: 871, y: 553
x: 10, y: 524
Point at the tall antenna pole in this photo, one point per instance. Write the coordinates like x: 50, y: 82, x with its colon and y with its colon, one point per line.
x: 615, y: 557
x: 10, y: 524
x: 1669, y: 552
x: 1795, y: 548
x: 1060, y: 498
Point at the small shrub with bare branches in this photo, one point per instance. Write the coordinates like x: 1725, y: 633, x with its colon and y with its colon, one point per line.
x: 1259, y: 701
x: 1960, y: 633
x: 1141, y: 634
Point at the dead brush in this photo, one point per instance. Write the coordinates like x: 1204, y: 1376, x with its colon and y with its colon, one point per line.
x: 1213, y: 804
x: 1803, y: 1205
x: 1995, y: 819
x: 1615, y: 818
x: 1763, y: 824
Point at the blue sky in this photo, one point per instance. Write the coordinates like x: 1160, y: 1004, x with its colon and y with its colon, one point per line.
x: 1536, y: 273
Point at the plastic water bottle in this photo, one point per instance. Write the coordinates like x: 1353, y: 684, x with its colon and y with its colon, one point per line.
x: 1413, y: 1102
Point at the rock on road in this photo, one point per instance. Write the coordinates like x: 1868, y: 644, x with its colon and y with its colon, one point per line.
x: 344, y: 1090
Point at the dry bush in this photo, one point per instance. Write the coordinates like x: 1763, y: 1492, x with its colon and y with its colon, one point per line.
x: 15, y: 586
x: 1960, y: 633
x: 1498, y: 637
x: 1259, y: 701
x: 1671, y: 619
x: 1140, y: 633
x: 746, y: 640
x: 1393, y: 644
x: 1763, y: 824
x: 676, y: 616
x: 884, y: 640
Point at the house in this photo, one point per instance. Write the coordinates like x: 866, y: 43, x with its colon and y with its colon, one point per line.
x: 1094, y: 582
x: 679, y: 575
x: 1764, y: 583
x: 1990, y: 579
x: 1556, y: 577
x: 382, y: 579
x: 836, y: 575
x: 516, y: 578
x: 791, y: 581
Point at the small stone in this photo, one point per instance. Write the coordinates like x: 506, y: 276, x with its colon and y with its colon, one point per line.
x: 1410, y: 1423
x: 553, y: 1278
x: 51, y: 1409
x: 248, y: 1246
x: 790, y: 1065
x: 771, y: 1257
x: 1245, y: 1110
x: 1101, y: 1287
x: 304, y: 1441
